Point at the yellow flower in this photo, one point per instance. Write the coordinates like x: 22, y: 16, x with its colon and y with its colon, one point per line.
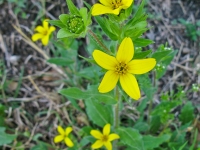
x: 64, y: 136
x: 122, y: 68
x: 104, y: 139
x: 43, y: 33
x: 110, y: 6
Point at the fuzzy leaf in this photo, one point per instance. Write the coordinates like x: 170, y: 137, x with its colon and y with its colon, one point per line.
x: 131, y: 137
x: 57, y: 23
x: 140, y: 42
x: 142, y: 55
x: 63, y: 33
x: 187, y: 113
x: 5, y: 138
x: 103, y: 23
x: 72, y: 8
x: 83, y: 12
x: 98, y: 113
x: 161, y: 54
x: 93, y: 93
x: 64, y: 18
x: 151, y: 142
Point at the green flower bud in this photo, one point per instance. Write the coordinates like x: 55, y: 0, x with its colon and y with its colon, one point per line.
x: 75, y: 24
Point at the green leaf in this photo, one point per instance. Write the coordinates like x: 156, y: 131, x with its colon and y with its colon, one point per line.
x: 151, y: 142
x: 131, y: 137
x: 141, y: 126
x: 161, y: 54
x: 60, y: 61
x: 86, y: 140
x: 72, y: 8
x: 84, y: 15
x: 64, y: 18
x: 5, y: 138
x: 93, y: 93
x: 40, y: 146
x: 187, y: 113
x: 129, y: 10
x: 155, y: 124
x: 140, y: 42
x: 164, y: 110
x: 63, y: 33
x: 98, y: 113
x: 57, y: 23
x: 146, y: 85
x: 2, y: 115
x: 142, y: 55
x: 164, y: 62
x: 142, y: 105
x: 103, y: 23
x: 198, y: 23
x: 139, y: 16
x: 198, y: 32
x: 137, y: 32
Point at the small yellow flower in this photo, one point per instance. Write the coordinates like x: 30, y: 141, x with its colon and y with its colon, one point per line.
x: 122, y: 68
x: 64, y: 136
x: 43, y: 33
x: 104, y: 139
x: 110, y: 6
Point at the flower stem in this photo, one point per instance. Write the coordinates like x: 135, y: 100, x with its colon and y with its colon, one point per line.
x: 116, y: 108
x: 151, y: 101
x: 98, y: 41
x: 116, y: 114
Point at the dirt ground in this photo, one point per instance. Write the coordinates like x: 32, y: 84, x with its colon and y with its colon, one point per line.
x: 36, y: 99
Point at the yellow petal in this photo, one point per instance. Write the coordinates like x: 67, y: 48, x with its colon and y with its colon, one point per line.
x: 97, y: 134
x: 108, y: 145
x: 45, y: 25
x: 99, y: 9
x: 45, y: 40
x: 141, y: 66
x: 106, y: 129
x: 58, y: 138
x: 61, y: 130
x: 113, y: 136
x: 97, y: 144
x: 51, y: 29
x: 130, y: 85
x: 106, y: 2
x: 40, y: 29
x: 126, y: 3
x: 109, y: 82
x: 37, y: 36
x: 68, y: 130
x: 126, y: 50
x: 104, y: 60
x: 69, y: 142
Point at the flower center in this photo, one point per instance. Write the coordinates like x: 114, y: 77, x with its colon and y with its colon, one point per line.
x: 75, y: 24
x: 105, y: 138
x: 121, y: 68
x: 45, y: 32
x: 116, y: 4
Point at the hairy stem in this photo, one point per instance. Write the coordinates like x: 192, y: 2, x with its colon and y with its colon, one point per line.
x: 116, y: 113
x: 151, y: 101
x: 98, y: 41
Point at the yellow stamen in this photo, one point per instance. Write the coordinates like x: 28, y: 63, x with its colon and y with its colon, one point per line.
x: 105, y: 138
x: 121, y: 68
x: 116, y: 4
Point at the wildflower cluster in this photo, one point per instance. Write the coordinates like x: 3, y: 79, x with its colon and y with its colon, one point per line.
x: 124, y: 63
